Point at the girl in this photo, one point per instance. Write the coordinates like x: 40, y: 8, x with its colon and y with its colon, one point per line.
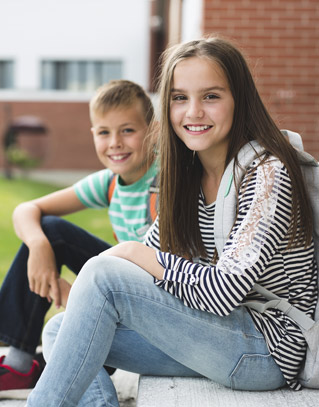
x: 194, y: 325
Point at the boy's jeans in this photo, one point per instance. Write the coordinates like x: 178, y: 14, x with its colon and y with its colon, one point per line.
x: 117, y: 316
x: 21, y: 311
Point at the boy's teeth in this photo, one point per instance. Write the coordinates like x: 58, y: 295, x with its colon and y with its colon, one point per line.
x: 118, y: 157
x: 197, y: 128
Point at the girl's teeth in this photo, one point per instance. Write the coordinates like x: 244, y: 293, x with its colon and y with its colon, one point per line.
x: 197, y: 128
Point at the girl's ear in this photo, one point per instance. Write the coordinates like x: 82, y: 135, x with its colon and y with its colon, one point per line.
x: 92, y: 130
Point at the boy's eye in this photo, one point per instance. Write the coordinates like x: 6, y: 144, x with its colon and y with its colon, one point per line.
x: 103, y: 133
x: 128, y: 130
x: 178, y: 97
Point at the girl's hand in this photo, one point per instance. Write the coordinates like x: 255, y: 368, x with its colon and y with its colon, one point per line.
x: 139, y: 254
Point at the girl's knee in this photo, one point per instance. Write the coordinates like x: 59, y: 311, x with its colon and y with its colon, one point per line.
x: 101, y: 267
x: 109, y: 273
x: 49, y: 334
x: 95, y: 274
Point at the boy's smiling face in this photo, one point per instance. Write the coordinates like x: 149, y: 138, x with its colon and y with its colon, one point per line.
x: 119, y: 139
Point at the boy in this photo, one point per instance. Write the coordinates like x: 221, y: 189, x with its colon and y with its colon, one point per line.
x: 121, y: 114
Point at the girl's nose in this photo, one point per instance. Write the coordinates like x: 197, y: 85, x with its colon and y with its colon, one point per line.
x: 195, y: 110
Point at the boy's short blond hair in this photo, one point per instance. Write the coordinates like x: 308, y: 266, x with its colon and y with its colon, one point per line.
x: 120, y: 93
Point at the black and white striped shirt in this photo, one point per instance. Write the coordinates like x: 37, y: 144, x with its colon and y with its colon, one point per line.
x: 255, y: 250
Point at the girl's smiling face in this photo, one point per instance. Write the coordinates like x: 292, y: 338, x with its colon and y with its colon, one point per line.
x: 202, y: 106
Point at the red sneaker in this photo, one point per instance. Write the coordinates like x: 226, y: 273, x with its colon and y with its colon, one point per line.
x: 14, y: 384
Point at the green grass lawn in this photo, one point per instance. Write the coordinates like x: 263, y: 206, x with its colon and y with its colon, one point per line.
x: 16, y: 191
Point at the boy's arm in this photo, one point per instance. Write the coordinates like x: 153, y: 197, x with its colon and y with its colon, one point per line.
x: 42, y: 271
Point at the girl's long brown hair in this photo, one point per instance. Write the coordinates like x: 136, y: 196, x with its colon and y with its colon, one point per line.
x: 181, y: 172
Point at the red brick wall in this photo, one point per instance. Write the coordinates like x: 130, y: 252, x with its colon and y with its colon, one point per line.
x: 69, y: 143
x: 281, y: 39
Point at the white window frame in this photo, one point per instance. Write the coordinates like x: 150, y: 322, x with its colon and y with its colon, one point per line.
x: 6, y: 74
x: 78, y: 75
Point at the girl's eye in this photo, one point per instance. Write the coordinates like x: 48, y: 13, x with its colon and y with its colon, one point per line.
x: 211, y: 96
x: 178, y: 97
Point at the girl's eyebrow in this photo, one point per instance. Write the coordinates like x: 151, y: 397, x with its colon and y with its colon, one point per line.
x: 213, y: 88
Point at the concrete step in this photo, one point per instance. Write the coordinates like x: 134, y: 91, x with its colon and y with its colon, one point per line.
x: 198, y: 392
x: 12, y: 403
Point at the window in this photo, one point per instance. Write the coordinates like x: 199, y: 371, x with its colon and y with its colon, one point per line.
x: 6, y: 74
x: 78, y: 75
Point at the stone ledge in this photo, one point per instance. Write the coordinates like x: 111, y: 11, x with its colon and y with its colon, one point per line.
x: 199, y: 392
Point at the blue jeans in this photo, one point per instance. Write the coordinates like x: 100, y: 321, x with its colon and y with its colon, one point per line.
x: 21, y: 311
x: 117, y: 316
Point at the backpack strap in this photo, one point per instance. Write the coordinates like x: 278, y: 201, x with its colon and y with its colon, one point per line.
x: 151, y: 203
x: 110, y: 191
x: 226, y: 201
x: 294, y: 139
x: 310, y: 171
x: 225, y: 212
x: 283, y: 305
x: 152, y: 198
x: 110, y: 187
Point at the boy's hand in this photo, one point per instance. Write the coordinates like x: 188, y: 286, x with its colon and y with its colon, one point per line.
x: 65, y: 288
x: 42, y: 272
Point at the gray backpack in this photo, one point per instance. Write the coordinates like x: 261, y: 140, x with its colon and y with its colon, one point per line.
x: 225, y: 212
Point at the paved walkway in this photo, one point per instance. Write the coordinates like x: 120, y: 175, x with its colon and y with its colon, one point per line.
x: 61, y: 178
